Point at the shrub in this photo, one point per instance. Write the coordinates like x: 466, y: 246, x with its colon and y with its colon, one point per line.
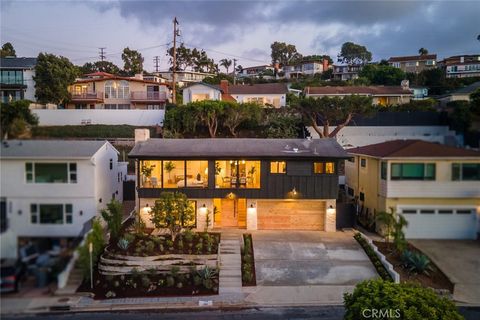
x: 170, y: 281
x: 96, y: 238
x: 129, y: 237
x: 416, y: 262
x: 199, y: 247
x: 123, y: 244
x: 188, y: 235
x: 150, y: 247
x: 113, y: 215
x: 146, y: 281
x: 409, y: 300
x: 180, y: 244
x: 110, y: 294
x: 207, y: 275
x: 174, y: 271
x: 197, y: 280
x: 373, y: 257
x: 169, y: 244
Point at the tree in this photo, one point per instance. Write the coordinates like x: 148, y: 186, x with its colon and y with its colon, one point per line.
x: 333, y: 111
x: 382, y: 74
x: 113, y: 215
x: 99, y: 66
x: 283, y: 53
x: 184, y: 58
x: 172, y: 211
x: 52, y: 77
x: 133, y: 61
x: 96, y: 238
x: 461, y: 116
x: 387, y: 221
x: 217, y: 78
x: 209, y: 113
x: 236, y: 114
x: 326, y: 74
x: 281, y: 123
x: 7, y: 50
x: 422, y: 51
x: 352, y: 53
x: 226, y: 63
x: 475, y: 102
x: 397, y: 301
x: 16, y: 117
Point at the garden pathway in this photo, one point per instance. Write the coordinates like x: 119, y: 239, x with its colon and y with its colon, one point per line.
x: 230, y: 276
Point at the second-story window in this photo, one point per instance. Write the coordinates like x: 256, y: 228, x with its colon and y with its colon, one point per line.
x: 383, y: 170
x: 465, y: 171
x: 363, y: 162
x: 50, y: 172
x: 110, y: 89
x: 412, y: 171
x: 324, y: 167
x: 123, y: 90
x: 237, y: 174
x: 278, y: 167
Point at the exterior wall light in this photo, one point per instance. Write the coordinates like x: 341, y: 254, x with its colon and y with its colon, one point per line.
x: 294, y: 191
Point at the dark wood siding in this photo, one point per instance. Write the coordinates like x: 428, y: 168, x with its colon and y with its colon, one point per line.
x: 272, y: 186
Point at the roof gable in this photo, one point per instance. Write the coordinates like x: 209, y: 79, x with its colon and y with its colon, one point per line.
x: 370, y: 90
x: 18, y: 63
x: 49, y: 149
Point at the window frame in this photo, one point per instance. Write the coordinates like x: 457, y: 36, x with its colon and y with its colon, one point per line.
x: 425, y: 166
x: 70, y: 173
x: 460, y: 167
x: 278, y: 166
x: 323, y: 166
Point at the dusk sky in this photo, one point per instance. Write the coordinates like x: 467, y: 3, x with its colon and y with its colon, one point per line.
x: 238, y: 29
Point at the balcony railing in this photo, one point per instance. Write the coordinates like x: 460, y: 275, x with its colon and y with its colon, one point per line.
x: 140, y: 96
x: 87, y: 96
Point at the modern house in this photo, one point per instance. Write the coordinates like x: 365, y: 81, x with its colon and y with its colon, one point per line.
x: 382, y: 95
x: 434, y: 186
x: 184, y: 77
x: 101, y: 90
x: 462, y: 94
x: 414, y: 64
x: 346, y: 72
x: 243, y: 183
x: 16, y: 79
x: 305, y: 68
x: 51, y: 189
x: 273, y: 94
x: 461, y: 66
x: 419, y: 93
x: 257, y: 71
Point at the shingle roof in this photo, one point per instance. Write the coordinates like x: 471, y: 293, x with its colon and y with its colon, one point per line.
x: 414, y: 58
x: 237, y: 148
x: 18, y: 63
x: 413, y: 149
x: 370, y: 90
x: 261, y: 88
x: 49, y: 149
x: 468, y: 89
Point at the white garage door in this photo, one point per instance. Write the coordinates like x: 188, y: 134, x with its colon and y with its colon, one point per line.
x: 440, y: 223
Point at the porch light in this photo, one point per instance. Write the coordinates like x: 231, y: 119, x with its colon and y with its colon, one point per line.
x: 81, y: 212
x: 243, y: 161
x: 252, y: 206
x: 330, y: 210
x: 294, y: 191
x: 204, y: 206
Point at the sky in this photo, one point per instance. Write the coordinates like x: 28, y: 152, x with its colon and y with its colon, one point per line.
x: 243, y: 30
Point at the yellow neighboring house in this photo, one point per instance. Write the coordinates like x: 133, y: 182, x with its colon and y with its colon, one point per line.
x: 434, y: 186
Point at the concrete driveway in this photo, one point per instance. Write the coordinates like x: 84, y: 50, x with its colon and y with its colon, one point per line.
x: 460, y: 261
x: 306, y: 258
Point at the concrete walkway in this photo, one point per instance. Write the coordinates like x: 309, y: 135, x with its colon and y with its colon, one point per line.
x: 230, y: 276
x: 459, y: 260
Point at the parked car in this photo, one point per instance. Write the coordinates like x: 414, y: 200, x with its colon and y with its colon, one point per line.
x: 12, y: 272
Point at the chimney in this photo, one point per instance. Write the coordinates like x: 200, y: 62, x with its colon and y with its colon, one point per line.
x: 405, y: 84
x: 224, y: 86
x: 325, y: 65
x: 142, y: 135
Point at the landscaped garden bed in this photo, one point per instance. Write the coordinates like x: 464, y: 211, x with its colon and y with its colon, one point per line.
x: 382, y: 271
x: 433, y: 277
x: 248, y: 262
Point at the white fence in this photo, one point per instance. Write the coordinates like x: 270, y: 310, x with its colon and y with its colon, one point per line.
x: 63, y: 117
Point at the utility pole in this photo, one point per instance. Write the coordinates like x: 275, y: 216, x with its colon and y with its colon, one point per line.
x: 156, y: 60
x: 234, y: 71
x: 174, y: 67
x: 102, y: 53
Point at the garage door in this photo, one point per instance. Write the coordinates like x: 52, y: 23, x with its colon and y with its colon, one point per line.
x: 292, y: 215
x: 443, y: 223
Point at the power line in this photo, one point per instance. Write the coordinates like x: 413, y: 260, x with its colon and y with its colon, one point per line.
x: 102, y: 53
x: 156, y: 61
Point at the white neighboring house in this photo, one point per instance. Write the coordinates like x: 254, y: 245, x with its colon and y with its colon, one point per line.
x: 52, y: 188
x: 274, y: 94
x: 16, y: 78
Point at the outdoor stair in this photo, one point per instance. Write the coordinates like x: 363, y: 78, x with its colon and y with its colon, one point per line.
x: 230, y: 276
x: 74, y: 280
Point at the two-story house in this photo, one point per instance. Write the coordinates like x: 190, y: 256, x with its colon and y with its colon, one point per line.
x: 50, y: 189
x: 461, y: 66
x: 414, y: 64
x: 381, y: 95
x: 184, y: 77
x: 16, y: 79
x: 257, y: 71
x: 434, y: 186
x: 346, y: 72
x: 243, y: 183
x: 272, y: 94
x: 305, y: 68
x: 101, y: 90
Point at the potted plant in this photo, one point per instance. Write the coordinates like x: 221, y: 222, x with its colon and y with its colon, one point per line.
x: 169, y: 166
x: 252, y: 172
x: 146, y: 173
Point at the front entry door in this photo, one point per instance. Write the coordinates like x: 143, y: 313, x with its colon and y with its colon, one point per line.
x: 229, y: 213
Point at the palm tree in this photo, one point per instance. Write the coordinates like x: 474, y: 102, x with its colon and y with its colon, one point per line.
x: 226, y: 63
x: 422, y: 51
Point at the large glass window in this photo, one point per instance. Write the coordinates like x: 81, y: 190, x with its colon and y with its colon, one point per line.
x: 412, y: 171
x: 51, y: 213
x: 151, y: 174
x: 237, y: 174
x: 174, y: 174
x: 197, y: 174
x: 324, y: 167
x: 51, y: 172
x: 466, y: 171
x: 123, y: 90
x: 110, y: 89
x: 278, y: 167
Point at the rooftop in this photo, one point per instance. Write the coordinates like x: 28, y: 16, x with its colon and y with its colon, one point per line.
x: 260, y: 88
x: 413, y: 149
x: 413, y: 58
x: 238, y: 148
x: 370, y: 90
x: 49, y: 149
x: 18, y: 63
x: 468, y: 89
